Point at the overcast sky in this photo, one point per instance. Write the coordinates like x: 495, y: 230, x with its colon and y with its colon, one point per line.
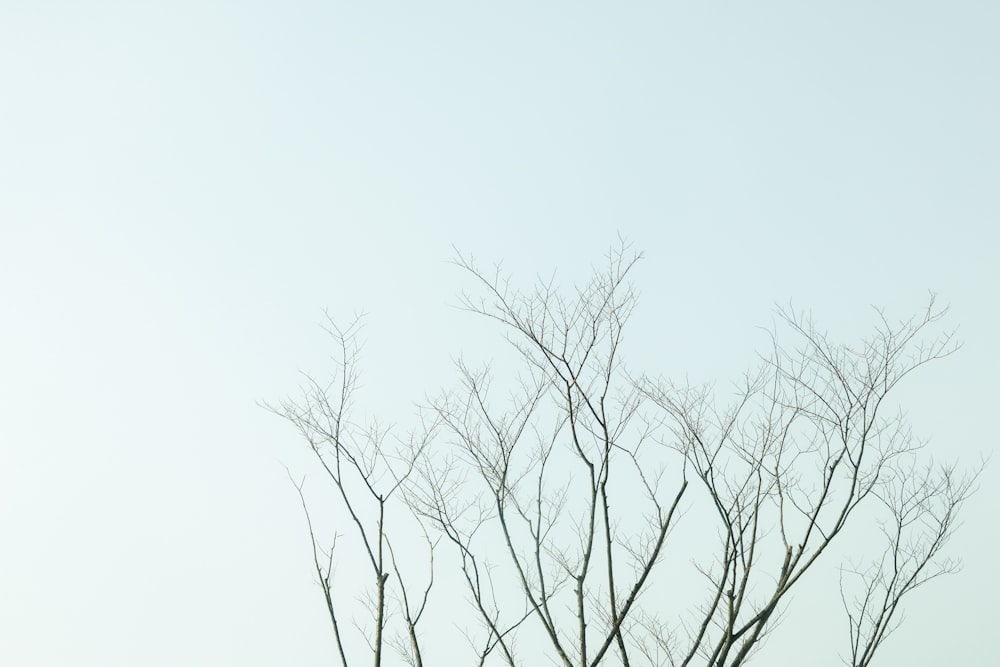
x: 186, y: 185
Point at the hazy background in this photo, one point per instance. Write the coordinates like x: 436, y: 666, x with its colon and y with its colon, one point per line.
x: 184, y: 186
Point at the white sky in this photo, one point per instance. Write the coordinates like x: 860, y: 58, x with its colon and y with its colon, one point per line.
x: 184, y: 186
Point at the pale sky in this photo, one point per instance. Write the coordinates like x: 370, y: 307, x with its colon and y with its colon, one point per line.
x: 186, y: 186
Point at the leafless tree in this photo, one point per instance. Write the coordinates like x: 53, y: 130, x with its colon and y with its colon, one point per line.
x: 558, y: 499
x: 809, y: 444
x: 921, y: 505
x: 367, y: 473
